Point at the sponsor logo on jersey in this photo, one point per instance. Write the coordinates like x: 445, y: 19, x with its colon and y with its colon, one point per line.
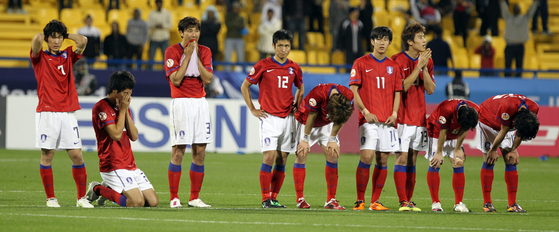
x: 389, y: 69
x: 505, y: 116
x: 312, y: 102
x: 252, y: 71
x: 352, y: 72
x: 103, y: 116
x: 170, y: 63
x: 442, y: 120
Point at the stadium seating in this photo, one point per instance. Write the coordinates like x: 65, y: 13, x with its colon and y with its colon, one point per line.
x: 120, y: 16
x: 298, y: 56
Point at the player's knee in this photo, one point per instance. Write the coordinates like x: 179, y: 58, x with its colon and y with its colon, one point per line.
x: 458, y: 163
x: 136, y: 202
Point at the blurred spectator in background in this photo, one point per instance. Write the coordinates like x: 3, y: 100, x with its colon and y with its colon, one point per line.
x: 160, y: 23
x: 440, y: 51
x: 115, y: 46
x: 86, y: 83
x: 275, y: 5
x: 266, y: 30
x: 426, y: 14
x: 113, y: 4
x: 516, y: 34
x: 214, y: 89
x: 487, y: 52
x: 93, y: 34
x: 366, y: 17
x: 317, y: 15
x: 12, y: 4
x: 236, y: 29
x: 350, y: 36
x: 489, y: 12
x: 294, y: 12
x: 65, y: 4
x: 338, y: 12
x: 137, y: 33
x: 457, y: 89
x: 210, y: 28
x: 461, y: 17
x: 544, y: 12
x: 445, y: 7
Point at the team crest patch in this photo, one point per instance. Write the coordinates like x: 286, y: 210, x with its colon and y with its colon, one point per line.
x: 442, y: 120
x: 181, y: 134
x: 505, y: 116
x: 267, y: 141
x: 352, y: 72
x: 103, y: 116
x: 290, y: 71
x: 312, y: 102
x: 389, y: 69
x: 43, y: 138
x: 363, y: 139
x: 170, y: 63
x: 487, y: 145
x: 252, y: 71
x: 65, y: 54
x: 129, y: 180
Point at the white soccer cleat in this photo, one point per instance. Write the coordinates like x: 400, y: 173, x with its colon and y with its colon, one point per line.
x: 91, y: 195
x: 461, y: 207
x: 176, y: 203
x: 84, y: 203
x: 52, y: 202
x: 436, y: 206
x: 198, y: 203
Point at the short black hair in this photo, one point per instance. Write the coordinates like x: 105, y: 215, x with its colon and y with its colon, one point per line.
x: 282, y: 35
x: 188, y: 22
x: 339, y: 108
x: 381, y: 32
x: 410, y: 32
x: 527, y: 124
x: 55, y: 26
x: 467, y: 117
x: 120, y: 81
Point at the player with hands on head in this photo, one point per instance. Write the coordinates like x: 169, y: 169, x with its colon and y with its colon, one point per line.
x: 320, y: 116
x: 275, y: 77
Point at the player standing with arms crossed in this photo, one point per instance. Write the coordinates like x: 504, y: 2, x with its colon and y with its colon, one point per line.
x: 320, y: 117
x: 376, y: 83
x: 190, y: 116
x: 412, y: 126
x: 55, y: 122
x: 499, y: 117
x: 275, y: 76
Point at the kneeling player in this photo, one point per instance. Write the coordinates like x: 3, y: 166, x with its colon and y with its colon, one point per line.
x: 326, y: 103
x: 499, y: 116
x: 447, y: 128
x: 123, y: 182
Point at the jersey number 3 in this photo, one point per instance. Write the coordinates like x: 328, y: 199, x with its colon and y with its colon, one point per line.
x: 282, y: 82
x: 61, y: 69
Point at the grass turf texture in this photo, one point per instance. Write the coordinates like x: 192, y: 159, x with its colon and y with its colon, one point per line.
x: 231, y: 186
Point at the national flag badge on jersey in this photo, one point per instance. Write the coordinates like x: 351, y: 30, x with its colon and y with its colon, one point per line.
x: 505, y: 116
x: 102, y: 116
x: 389, y: 69
x: 170, y: 63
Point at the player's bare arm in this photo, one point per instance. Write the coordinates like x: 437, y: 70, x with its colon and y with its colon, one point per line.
x: 512, y: 157
x: 131, y: 128
x: 333, y: 148
x: 115, y: 130
x: 245, y: 90
x: 459, y: 156
x: 37, y: 43
x: 80, y: 40
x: 492, y: 155
x: 303, y: 148
x: 299, y: 97
x: 438, y: 159
x: 371, y: 118
x: 428, y: 83
x: 409, y: 80
x: 392, y: 119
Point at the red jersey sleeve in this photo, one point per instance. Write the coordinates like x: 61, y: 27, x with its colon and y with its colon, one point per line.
x: 313, y: 101
x: 298, y: 81
x: 104, y: 116
x: 355, y: 78
x: 505, y: 113
x: 206, y: 58
x: 172, y: 60
x: 255, y: 73
x: 399, y: 84
x: 445, y: 115
x: 73, y: 55
x: 35, y: 60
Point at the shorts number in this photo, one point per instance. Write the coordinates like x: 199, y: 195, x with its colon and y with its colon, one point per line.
x: 77, y: 131
x: 282, y: 82
x: 424, y: 136
x: 207, y: 128
x: 378, y: 82
x: 61, y: 69
x: 144, y: 176
x: 393, y: 136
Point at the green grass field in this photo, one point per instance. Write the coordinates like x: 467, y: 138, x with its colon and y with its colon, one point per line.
x: 231, y: 186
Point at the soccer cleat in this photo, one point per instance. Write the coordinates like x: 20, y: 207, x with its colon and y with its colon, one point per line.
x: 91, y: 195
x: 377, y: 206
x: 84, y: 203
x: 334, y: 204
x: 461, y: 207
x: 413, y: 207
x: 436, y: 206
x: 102, y: 199
x: 277, y: 204
x: 176, y: 203
x: 52, y: 202
x: 198, y: 203
x: 359, y: 205
x: 488, y: 207
x: 268, y: 204
x: 515, y: 208
x: 302, y: 204
x: 404, y: 206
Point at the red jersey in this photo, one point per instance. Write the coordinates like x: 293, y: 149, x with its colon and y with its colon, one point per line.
x: 445, y: 116
x: 113, y: 155
x: 276, y: 83
x: 56, y: 87
x: 501, y: 109
x: 191, y: 87
x: 412, y: 109
x: 378, y: 80
x: 317, y: 101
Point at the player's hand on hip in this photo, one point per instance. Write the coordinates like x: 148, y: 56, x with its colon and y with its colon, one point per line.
x: 333, y: 149
x: 260, y: 114
x: 391, y: 120
x: 371, y: 118
x: 437, y: 160
x: 492, y: 157
x: 303, y: 148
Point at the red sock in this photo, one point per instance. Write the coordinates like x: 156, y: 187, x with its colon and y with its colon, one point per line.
x: 331, y: 173
x: 110, y: 194
x: 434, y: 182
x: 458, y: 183
x: 174, y: 175
x: 362, y: 179
x: 48, y: 182
x: 80, y: 177
x: 378, y: 182
x: 410, y: 181
x: 196, y: 179
x: 400, y: 182
x: 277, y: 180
x: 265, y: 180
x: 299, y: 173
x: 376, y: 172
x: 486, y: 182
x: 511, y: 177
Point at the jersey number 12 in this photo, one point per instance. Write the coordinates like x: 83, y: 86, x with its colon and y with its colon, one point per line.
x: 282, y: 82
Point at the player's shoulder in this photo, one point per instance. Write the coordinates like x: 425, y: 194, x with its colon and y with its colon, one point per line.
x: 292, y: 63
x: 364, y: 58
x: 398, y: 56
x: 174, y: 48
x: 203, y: 48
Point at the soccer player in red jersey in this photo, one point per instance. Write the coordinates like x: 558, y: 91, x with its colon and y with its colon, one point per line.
x: 190, y: 116
x: 417, y: 67
x: 56, y: 124
x: 447, y: 128
x: 123, y: 182
x: 376, y: 83
x: 499, y: 117
x: 320, y: 117
x: 275, y: 76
